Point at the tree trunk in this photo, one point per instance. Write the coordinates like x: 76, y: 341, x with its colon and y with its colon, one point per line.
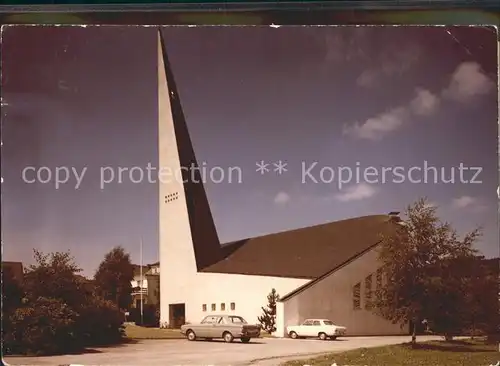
x: 414, y: 334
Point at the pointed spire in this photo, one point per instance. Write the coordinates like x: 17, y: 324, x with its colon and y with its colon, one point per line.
x: 206, y: 242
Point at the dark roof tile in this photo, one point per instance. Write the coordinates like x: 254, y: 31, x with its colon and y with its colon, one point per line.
x: 303, y: 253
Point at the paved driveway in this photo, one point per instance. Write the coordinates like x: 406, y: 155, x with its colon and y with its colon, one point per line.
x: 261, y: 352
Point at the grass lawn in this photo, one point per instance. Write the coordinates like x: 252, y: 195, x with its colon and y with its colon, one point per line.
x: 135, y: 332
x: 463, y: 353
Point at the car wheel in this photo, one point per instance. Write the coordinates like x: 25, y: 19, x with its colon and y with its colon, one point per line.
x: 228, y: 337
x: 245, y: 340
x: 293, y: 335
x: 191, y: 336
x: 322, y: 336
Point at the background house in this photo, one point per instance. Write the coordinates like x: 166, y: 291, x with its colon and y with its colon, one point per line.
x: 88, y: 284
x: 146, y: 286
x: 15, y: 269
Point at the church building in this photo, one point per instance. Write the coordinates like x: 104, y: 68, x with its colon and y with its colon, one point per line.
x: 325, y: 271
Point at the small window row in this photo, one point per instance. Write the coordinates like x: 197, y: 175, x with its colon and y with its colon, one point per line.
x: 222, y: 307
x: 171, y: 197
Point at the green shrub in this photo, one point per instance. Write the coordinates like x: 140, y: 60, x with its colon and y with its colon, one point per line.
x: 134, y: 315
x: 55, y: 276
x: 42, y: 327
x: 12, y: 294
x: 150, y: 316
x: 100, y: 323
x: 48, y: 327
x: 54, y: 310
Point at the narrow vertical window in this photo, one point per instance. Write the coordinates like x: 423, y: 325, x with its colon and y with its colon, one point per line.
x: 379, y: 279
x: 233, y: 306
x: 368, y: 292
x: 204, y: 307
x: 356, y: 296
x: 213, y: 307
x: 223, y: 306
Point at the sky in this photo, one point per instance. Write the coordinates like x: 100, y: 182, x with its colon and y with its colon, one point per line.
x: 373, y: 100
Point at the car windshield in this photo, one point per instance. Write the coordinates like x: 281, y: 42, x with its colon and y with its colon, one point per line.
x: 328, y: 322
x: 237, y: 319
x: 210, y: 320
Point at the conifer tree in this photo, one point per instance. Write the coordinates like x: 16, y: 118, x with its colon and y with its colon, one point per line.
x: 268, y: 317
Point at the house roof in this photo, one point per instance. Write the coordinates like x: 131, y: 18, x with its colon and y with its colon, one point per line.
x: 137, y: 269
x: 306, y: 253
x: 16, y: 269
x: 494, y: 263
x: 84, y: 279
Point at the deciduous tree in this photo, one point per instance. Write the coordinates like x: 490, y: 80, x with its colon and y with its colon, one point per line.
x: 416, y: 259
x: 58, y: 312
x: 12, y: 294
x: 12, y: 291
x: 55, y: 275
x: 113, y: 277
x: 479, y: 283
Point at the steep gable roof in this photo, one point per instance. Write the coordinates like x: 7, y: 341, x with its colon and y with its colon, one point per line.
x: 306, y: 253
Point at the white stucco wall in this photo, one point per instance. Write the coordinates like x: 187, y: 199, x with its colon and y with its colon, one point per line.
x: 280, y: 320
x: 332, y: 298
x: 249, y: 293
x: 176, y: 252
x: 136, y: 281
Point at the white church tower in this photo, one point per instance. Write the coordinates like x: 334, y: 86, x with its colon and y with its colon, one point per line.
x: 187, y: 236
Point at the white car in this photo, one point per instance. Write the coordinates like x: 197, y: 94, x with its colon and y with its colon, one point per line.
x: 321, y: 328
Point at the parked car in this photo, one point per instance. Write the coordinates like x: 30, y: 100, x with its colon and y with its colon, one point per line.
x: 321, y: 328
x: 227, y: 327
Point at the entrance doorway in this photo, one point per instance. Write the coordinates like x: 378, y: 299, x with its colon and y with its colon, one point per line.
x: 177, y: 315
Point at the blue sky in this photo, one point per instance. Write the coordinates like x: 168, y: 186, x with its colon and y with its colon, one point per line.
x: 371, y: 98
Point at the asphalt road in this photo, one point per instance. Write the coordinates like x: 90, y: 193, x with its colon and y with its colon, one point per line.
x: 261, y: 352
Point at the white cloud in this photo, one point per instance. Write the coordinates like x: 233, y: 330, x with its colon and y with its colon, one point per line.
x: 463, y: 201
x: 356, y: 193
x: 281, y: 198
x: 376, y: 127
x: 469, y: 203
x: 431, y: 205
x: 467, y: 82
x: 367, y: 78
x: 425, y: 103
